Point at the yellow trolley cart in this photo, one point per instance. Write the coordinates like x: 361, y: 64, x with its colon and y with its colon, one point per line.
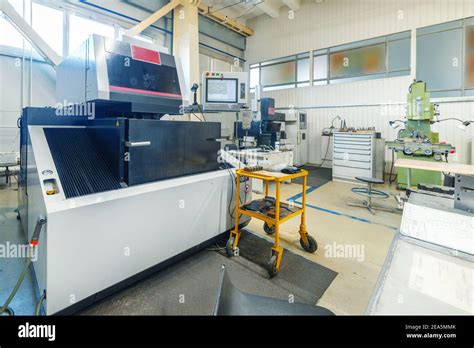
x: 277, y: 214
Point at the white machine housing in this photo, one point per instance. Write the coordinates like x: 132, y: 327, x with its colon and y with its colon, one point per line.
x: 95, y: 243
x: 296, y: 129
x: 91, y: 243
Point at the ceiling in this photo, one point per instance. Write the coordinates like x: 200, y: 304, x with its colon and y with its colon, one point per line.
x: 242, y: 10
x: 238, y: 9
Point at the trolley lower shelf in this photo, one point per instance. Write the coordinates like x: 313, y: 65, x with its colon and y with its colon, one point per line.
x: 287, y: 212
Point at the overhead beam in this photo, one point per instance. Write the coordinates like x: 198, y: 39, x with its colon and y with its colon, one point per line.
x: 221, y: 18
x: 30, y: 34
x: 293, y: 4
x: 163, y: 11
x: 270, y: 8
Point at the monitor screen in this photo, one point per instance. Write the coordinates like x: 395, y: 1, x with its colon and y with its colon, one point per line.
x: 221, y: 90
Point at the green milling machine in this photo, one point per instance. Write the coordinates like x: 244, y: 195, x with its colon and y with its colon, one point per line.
x: 417, y: 141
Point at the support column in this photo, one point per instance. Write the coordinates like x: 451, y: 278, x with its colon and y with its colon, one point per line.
x: 186, y: 43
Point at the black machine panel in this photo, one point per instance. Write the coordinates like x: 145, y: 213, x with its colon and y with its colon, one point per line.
x: 96, y: 159
x: 176, y: 149
x: 146, y: 79
x: 142, y: 77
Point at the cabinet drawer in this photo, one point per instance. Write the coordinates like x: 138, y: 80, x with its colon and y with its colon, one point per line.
x: 353, y: 149
x: 350, y: 173
x: 353, y: 140
x: 352, y: 164
x: 347, y: 156
x: 350, y: 136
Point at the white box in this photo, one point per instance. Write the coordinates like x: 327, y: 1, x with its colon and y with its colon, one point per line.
x: 8, y: 158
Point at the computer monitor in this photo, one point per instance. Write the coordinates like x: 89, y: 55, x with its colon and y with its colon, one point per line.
x: 221, y: 90
x: 224, y: 91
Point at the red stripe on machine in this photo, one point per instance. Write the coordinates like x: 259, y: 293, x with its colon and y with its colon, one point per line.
x: 146, y: 55
x: 143, y: 91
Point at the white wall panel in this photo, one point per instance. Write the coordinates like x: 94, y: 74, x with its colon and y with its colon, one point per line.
x: 363, y: 103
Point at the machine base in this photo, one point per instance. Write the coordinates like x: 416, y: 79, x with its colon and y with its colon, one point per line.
x: 89, y: 301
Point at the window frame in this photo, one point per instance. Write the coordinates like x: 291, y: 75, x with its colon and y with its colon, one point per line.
x: 294, y: 58
x: 465, y: 23
x: 157, y: 34
x: 326, y: 52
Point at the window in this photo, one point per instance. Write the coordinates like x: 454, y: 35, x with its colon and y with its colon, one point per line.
x: 254, y: 77
x: 287, y: 72
x: 302, y: 68
x: 358, y: 61
x: 48, y: 23
x: 80, y: 28
x: 439, y: 58
x: 445, y: 58
x: 320, y: 67
x: 384, y: 56
x: 469, y: 74
x: 380, y: 57
x: 278, y: 74
x: 9, y: 36
x: 398, y: 51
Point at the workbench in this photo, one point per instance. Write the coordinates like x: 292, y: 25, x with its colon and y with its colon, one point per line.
x: 409, y: 164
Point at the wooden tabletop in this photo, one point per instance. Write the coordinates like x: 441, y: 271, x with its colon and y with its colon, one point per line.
x: 438, y: 166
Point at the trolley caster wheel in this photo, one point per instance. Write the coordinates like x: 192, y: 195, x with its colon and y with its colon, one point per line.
x: 272, y: 266
x: 228, y: 247
x: 8, y: 311
x: 268, y: 229
x: 312, y: 245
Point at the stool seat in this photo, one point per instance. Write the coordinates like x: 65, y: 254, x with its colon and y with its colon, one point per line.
x: 369, y: 180
x: 370, y: 194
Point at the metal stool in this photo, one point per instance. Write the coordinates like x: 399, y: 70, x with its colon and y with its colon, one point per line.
x: 370, y: 193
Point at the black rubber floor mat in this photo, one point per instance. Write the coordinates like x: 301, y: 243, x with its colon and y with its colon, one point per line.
x: 316, y: 176
x: 306, y: 278
x: 190, y: 286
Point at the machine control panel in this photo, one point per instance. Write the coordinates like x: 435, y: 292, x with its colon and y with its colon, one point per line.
x: 224, y: 91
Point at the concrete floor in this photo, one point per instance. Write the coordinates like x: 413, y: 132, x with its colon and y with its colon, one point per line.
x: 10, y: 268
x: 329, y: 220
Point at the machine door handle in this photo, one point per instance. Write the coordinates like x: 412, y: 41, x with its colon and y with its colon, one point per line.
x: 137, y: 143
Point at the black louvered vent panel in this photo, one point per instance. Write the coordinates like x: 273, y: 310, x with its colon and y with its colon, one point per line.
x: 81, y: 168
